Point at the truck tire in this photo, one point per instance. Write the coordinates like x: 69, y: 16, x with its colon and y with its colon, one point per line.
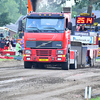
x: 73, y: 66
x: 27, y: 64
x: 66, y: 65
x: 94, y: 62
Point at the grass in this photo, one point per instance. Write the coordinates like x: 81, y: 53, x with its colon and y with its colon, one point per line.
x: 6, y: 59
x: 97, y: 59
x: 10, y: 59
x: 98, y: 98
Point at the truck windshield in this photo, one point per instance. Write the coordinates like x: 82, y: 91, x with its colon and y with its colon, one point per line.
x: 48, y: 25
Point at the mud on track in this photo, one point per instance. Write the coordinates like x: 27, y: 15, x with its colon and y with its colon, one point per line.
x: 17, y: 83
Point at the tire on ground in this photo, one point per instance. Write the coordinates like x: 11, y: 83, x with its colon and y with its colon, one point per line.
x: 66, y: 65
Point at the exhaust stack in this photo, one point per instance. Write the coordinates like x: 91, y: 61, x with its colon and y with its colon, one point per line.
x: 67, y: 9
x: 34, y: 5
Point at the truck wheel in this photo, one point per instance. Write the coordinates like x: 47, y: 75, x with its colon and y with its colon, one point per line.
x: 74, y: 66
x: 66, y: 65
x: 27, y: 64
x: 94, y: 62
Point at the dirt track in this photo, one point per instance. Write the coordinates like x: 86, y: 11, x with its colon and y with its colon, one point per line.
x: 17, y: 83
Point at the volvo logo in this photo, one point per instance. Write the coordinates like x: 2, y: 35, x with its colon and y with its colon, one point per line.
x: 43, y: 44
x: 59, y: 45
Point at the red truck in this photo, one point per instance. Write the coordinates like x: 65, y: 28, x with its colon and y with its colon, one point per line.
x: 47, y: 39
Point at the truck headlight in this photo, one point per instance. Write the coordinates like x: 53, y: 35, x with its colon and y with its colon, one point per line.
x: 28, y: 51
x: 60, y: 52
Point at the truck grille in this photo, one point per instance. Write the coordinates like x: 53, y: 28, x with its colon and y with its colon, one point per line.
x: 43, y: 52
x: 44, y: 44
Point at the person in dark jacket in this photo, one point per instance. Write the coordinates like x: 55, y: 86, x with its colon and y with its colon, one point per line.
x: 12, y: 42
x: 7, y: 41
x: 21, y: 34
x: 89, y: 60
x: 82, y: 28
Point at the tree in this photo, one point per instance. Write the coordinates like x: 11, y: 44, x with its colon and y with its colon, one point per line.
x: 4, y: 19
x: 12, y: 7
x: 23, y: 6
x: 89, y: 4
x: 51, y: 6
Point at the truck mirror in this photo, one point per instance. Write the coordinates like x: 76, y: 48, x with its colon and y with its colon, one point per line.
x: 70, y: 26
x: 20, y: 26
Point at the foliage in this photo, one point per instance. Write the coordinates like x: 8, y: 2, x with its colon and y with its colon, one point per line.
x: 16, y: 36
x: 98, y: 98
x: 11, y: 8
x: 83, y: 5
x: 23, y: 6
x: 52, y: 7
x: 4, y: 19
x: 78, y: 8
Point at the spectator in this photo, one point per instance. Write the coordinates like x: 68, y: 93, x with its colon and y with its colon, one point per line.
x: 4, y: 39
x: 2, y: 44
x: 22, y: 43
x: 96, y: 28
x: 89, y: 61
x: 12, y: 45
x: 82, y: 28
x: 12, y: 42
x: 21, y: 34
x: 78, y: 28
x: 18, y: 47
x: 7, y: 42
x: 1, y: 35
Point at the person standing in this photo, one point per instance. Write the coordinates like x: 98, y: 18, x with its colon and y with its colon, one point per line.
x: 78, y: 28
x: 7, y: 42
x: 18, y: 47
x: 82, y: 28
x: 22, y: 43
x: 21, y: 34
x: 12, y: 43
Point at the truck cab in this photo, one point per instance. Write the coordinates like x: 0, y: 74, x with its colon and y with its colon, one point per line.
x: 47, y: 39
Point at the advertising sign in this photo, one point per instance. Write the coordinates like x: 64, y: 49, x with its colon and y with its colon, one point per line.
x: 93, y: 33
x: 84, y: 20
x: 81, y: 33
x: 83, y: 39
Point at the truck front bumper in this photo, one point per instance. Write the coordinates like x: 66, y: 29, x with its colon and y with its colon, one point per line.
x: 47, y: 59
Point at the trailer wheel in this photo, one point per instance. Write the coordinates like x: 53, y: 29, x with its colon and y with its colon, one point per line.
x: 94, y: 62
x: 74, y: 66
x: 27, y: 64
x: 66, y: 65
